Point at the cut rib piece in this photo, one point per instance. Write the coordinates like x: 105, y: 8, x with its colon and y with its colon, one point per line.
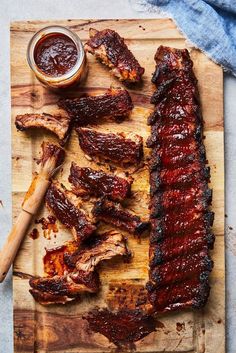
x: 65, y: 206
x: 95, y: 182
x: 104, y: 247
x: 62, y: 289
x: 120, y: 148
x: 174, y: 247
x: 115, y: 103
x: 111, y: 49
x: 122, y: 327
x: 58, y: 124
x: 190, y: 293
x: 113, y: 213
x: 181, y: 268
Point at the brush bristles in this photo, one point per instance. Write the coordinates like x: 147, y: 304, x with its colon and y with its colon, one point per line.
x: 52, y: 158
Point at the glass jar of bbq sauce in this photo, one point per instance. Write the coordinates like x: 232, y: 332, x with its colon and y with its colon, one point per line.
x: 57, y: 57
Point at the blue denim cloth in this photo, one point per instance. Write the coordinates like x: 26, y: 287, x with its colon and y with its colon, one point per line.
x: 209, y: 24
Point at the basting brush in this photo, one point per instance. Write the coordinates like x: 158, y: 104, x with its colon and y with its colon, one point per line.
x: 50, y: 162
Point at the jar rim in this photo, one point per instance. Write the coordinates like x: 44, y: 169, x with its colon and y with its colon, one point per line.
x: 51, y: 30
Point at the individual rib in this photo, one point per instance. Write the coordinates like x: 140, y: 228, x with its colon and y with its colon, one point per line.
x: 65, y: 206
x: 95, y: 182
x: 115, y: 103
x: 110, y: 49
x: 58, y: 124
x: 113, y: 213
x: 121, y: 148
x: 103, y: 247
x: 63, y: 289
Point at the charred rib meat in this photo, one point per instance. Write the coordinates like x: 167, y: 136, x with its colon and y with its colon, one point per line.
x: 76, y: 269
x: 119, y: 148
x: 58, y: 124
x: 113, y: 213
x: 104, y: 247
x: 111, y: 49
x: 180, y: 219
x: 96, y: 182
x: 62, y: 289
x: 65, y: 206
x: 115, y: 103
x: 123, y: 327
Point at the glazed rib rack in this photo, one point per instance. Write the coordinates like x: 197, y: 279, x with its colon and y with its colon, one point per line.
x: 180, y: 198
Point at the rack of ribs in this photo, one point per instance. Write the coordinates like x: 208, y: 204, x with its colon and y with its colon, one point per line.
x: 58, y: 124
x: 66, y: 207
x: 110, y: 49
x: 113, y: 213
x: 80, y: 274
x: 122, y: 148
x: 180, y: 218
x: 115, y: 103
x: 96, y: 182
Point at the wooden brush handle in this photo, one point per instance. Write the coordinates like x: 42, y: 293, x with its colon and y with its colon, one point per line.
x: 30, y: 206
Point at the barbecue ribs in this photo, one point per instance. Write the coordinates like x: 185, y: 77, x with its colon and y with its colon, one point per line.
x: 95, y: 182
x: 58, y: 124
x: 180, y: 219
x: 115, y: 103
x: 113, y: 213
x: 66, y: 207
x: 119, y: 148
x: 79, y: 268
x: 111, y: 49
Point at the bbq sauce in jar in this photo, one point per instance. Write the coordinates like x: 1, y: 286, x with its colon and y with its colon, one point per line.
x: 57, y: 57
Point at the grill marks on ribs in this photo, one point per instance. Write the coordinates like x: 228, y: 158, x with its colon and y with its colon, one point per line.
x: 65, y: 206
x: 113, y: 213
x: 58, y: 124
x: 96, y: 182
x: 80, y: 270
x: 111, y: 49
x: 181, y: 223
x: 115, y: 103
x: 121, y: 148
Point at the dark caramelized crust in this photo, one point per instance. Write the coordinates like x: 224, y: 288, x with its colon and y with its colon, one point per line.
x: 174, y: 223
x: 113, y: 213
x: 103, y: 247
x: 63, y: 205
x: 180, y: 219
x: 190, y: 293
x: 198, y: 264
x: 61, y: 289
x: 198, y: 197
x: 58, y: 124
x: 119, y: 148
x: 185, y: 176
x: 174, y: 247
x: 96, y: 182
x: 122, y: 327
x: 115, y: 103
x: 111, y: 49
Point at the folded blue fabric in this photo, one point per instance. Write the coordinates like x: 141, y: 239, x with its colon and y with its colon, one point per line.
x: 209, y: 24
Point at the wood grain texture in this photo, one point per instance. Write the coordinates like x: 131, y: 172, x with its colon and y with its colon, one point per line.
x: 61, y: 328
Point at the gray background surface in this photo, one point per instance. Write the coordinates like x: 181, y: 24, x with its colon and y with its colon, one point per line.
x: 11, y: 10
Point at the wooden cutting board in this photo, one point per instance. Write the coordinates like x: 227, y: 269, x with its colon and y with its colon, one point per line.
x: 61, y: 328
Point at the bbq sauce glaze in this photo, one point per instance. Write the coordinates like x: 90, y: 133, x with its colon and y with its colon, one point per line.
x: 55, y: 54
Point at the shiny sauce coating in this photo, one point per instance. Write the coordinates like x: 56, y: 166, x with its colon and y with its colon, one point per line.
x: 55, y: 54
